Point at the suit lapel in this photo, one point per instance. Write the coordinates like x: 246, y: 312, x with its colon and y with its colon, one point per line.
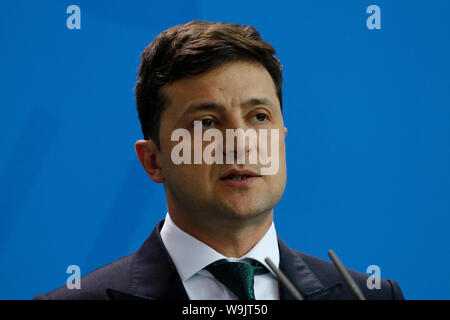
x: 153, y: 273
x: 301, y: 276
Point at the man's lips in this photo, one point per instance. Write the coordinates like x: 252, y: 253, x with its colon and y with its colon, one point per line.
x: 239, y: 178
x: 236, y: 174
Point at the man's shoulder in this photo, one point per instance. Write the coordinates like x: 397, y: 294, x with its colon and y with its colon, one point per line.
x: 116, y: 275
x: 330, y: 277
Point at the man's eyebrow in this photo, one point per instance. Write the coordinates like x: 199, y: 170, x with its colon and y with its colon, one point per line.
x: 218, y: 107
x: 257, y: 101
x: 203, y: 106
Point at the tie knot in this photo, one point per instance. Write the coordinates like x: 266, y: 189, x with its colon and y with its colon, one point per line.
x: 237, y: 276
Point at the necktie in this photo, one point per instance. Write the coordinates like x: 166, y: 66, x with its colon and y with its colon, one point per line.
x: 237, y: 276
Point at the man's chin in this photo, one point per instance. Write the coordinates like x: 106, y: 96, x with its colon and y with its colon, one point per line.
x: 242, y: 212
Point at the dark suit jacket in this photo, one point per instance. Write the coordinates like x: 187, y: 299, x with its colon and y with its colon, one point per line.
x: 150, y: 273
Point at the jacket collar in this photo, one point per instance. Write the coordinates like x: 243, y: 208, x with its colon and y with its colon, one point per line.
x: 153, y: 273
x: 154, y: 276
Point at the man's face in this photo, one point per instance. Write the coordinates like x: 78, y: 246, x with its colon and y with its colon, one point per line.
x: 227, y: 92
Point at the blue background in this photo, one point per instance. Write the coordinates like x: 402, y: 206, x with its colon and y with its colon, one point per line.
x: 368, y: 151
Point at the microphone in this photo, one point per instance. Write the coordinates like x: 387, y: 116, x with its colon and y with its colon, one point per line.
x: 284, y: 280
x: 346, y: 276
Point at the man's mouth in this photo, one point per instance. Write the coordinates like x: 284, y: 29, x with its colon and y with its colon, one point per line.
x: 238, y: 175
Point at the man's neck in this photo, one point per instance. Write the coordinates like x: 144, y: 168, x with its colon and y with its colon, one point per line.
x: 230, y: 237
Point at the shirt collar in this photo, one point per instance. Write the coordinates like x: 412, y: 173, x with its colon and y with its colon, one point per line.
x: 190, y: 255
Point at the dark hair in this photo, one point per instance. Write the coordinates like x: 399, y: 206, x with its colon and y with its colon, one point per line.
x: 191, y: 49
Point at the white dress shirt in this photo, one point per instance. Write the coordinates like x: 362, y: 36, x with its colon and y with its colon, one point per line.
x: 190, y: 256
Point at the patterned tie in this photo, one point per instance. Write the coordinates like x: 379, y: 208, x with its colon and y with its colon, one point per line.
x: 237, y: 276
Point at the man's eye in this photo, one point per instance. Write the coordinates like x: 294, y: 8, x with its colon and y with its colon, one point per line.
x: 260, y: 117
x: 206, y: 123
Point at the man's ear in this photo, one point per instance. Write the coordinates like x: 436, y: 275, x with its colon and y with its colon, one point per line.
x: 285, y: 131
x: 148, y: 154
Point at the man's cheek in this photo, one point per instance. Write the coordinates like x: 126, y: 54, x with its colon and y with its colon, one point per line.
x: 190, y: 172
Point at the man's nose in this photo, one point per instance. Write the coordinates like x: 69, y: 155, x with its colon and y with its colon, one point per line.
x: 238, y: 145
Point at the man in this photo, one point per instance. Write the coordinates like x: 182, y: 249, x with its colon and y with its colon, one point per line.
x: 219, y: 227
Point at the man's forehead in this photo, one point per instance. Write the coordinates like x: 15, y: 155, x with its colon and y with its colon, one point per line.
x: 238, y: 81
